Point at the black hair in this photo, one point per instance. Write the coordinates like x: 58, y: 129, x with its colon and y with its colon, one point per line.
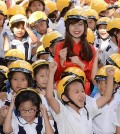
x: 17, y: 24
x: 3, y: 80
x: 41, y: 1
x: 37, y: 69
x: 86, y: 50
x: 28, y: 95
x: 28, y: 77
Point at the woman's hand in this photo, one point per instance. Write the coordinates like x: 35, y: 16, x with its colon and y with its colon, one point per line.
x: 77, y: 61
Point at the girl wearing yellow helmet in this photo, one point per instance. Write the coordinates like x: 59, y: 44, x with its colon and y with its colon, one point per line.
x: 31, y: 115
x: 22, y: 38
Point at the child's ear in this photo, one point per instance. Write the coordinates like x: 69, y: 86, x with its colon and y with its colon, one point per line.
x: 64, y: 98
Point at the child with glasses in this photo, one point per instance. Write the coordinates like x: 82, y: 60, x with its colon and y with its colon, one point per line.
x: 31, y: 116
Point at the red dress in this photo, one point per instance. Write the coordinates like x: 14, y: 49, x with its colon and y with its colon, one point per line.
x: 76, y: 50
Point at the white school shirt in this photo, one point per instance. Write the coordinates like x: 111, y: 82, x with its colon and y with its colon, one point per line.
x: 104, y: 122
x: 20, y: 45
x: 60, y: 26
x: 70, y: 122
x: 29, y: 128
x: 108, y: 48
x: 117, y: 116
x: 5, y: 31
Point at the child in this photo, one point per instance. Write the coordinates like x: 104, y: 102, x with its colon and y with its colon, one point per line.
x: 3, y: 30
x: 104, y: 123
x: 13, y: 55
x: 102, y: 40
x: 75, y: 49
x: 63, y: 6
x: 36, y: 5
x: 40, y: 69
x: 31, y: 118
x: 39, y: 22
x: 41, y: 54
x: 92, y: 17
x: 23, y: 38
x: 50, y: 41
x: 113, y: 28
x: 114, y: 60
x: 3, y: 91
x: 78, y: 109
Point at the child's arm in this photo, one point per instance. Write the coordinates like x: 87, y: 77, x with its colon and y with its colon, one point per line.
x: 31, y: 34
x: 118, y: 130
x: 49, y: 91
x: 48, y: 128
x: 34, y: 49
x: 7, y: 127
x: 6, y: 44
x: 109, y: 88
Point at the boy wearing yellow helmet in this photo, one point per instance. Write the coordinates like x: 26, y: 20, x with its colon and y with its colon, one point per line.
x: 76, y: 108
x: 104, y: 123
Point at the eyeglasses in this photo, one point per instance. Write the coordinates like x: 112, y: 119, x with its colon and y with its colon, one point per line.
x: 31, y: 110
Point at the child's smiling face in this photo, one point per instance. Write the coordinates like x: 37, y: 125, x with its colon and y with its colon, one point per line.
x: 19, y: 31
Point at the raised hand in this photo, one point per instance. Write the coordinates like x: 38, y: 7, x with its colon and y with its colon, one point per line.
x: 52, y: 67
x: 110, y: 71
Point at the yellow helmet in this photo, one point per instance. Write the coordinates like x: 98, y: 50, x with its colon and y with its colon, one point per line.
x: 103, y: 21
x: 39, y: 63
x: 63, y: 83
x: 21, y: 66
x: 99, y: 5
x: 113, y: 23
x: 117, y: 4
x: 3, y: 8
x: 114, y: 59
x: 74, y: 13
x: 61, y: 4
x: 91, y: 14
x: 4, y: 71
x: 36, y: 17
x: 16, y: 9
x: 41, y: 51
x: 52, y: 6
x: 101, y: 74
x: 17, y: 18
x: 90, y: 36
x: 14, y: 54
x: 87, y: 2
x: 51, y: 38
x: 74, y: 71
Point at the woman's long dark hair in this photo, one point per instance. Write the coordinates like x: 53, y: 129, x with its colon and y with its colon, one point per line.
x: 86, y: 50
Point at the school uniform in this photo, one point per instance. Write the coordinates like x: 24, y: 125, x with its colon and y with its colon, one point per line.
x: 24, y: 45
x: 60, y: 26
x: 20, y: 126
x: 70, y: 122
x: 107, y: 48
x: 5, y: 31
x: 104, y: 122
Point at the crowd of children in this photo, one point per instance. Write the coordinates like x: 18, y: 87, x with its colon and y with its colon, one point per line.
x: 59, y: 66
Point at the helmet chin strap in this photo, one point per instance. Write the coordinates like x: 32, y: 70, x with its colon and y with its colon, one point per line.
x: 38, y: 86
x: 72, y: 102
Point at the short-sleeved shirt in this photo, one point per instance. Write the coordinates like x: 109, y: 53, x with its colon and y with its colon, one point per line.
x: 104, y: 122
x: 70, y: 122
